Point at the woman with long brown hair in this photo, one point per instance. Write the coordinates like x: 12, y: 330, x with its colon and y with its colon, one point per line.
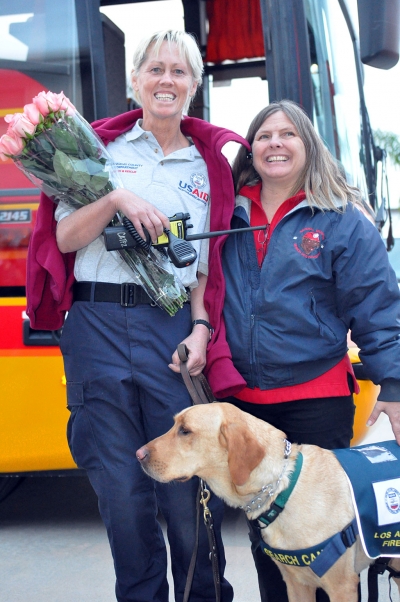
x: 295, y: 288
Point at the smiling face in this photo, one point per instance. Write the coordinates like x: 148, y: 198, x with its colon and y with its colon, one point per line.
x: 279, y: 154
x: 164, y: 84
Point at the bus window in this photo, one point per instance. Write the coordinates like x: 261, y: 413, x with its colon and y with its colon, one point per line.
x: 337, y: 114
x: 39, y: 39
x: 38, y: 51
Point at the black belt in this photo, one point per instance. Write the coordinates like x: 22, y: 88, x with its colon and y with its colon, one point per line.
x: 127, y: 294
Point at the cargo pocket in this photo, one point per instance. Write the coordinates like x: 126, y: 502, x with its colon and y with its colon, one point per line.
x: 81, y: 439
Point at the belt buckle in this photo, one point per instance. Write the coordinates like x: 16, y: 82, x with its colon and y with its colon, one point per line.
x: 128, y: 294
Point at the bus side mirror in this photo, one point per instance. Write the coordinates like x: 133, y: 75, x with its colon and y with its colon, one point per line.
x: 379, y: 23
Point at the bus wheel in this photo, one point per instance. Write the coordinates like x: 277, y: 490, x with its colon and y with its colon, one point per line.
x: 8, y: 485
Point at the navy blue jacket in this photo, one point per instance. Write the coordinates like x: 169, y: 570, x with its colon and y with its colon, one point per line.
x: 324, y: 273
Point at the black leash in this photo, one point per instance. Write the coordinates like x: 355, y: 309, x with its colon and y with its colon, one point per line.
x: 189, y: 578
x: 203, y: 496
x: 200, y: 392
x: 209, y: 523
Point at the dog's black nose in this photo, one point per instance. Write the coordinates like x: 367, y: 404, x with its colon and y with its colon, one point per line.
x: 143, y: 454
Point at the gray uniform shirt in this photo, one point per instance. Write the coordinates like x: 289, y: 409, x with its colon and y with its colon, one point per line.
x: 176, y: 183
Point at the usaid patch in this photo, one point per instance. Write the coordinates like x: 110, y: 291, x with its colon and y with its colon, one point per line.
x: 198, y: 180
x: 387, y: 497
x: 194, y: 189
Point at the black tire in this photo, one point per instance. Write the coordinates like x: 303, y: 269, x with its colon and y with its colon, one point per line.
x: 8, y: 485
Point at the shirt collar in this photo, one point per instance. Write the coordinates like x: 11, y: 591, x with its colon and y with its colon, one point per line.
x: 138, y: 132
x: 254, y: 194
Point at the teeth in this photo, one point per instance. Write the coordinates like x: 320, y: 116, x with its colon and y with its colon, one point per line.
x: 165, y: 96
x: 278, y: 158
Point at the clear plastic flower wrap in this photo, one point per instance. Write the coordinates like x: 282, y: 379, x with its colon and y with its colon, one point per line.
x: 62, y: 155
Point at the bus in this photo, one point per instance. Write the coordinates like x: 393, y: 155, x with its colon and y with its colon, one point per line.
x: 308, y: 50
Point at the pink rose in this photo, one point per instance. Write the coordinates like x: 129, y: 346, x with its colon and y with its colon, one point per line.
x: 40, y: 101
x: 20, y: 126
x: 47, y: 102
x: 66, y: 105
x: 9, y: 118
x: 59, y: 102
x: 54, y: 101
x: 32, y: 113
x: 10, y: 145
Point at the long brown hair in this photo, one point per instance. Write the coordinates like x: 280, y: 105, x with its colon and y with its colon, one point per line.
x: 322, y: 178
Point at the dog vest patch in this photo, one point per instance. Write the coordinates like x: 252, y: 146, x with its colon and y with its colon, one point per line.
x: 374, y: 474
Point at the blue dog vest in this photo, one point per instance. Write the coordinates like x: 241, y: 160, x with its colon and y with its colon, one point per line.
x: 374, y: 474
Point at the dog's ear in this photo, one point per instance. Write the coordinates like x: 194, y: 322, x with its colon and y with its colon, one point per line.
x: 244, y: 451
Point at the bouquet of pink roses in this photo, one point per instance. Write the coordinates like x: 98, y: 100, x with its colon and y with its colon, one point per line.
x: 63, y: 156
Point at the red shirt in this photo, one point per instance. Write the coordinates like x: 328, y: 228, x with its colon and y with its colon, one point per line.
x: 332, y: 383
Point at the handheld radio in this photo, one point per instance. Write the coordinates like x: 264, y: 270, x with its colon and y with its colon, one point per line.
x: 175, y: 241
x: 178, y: 249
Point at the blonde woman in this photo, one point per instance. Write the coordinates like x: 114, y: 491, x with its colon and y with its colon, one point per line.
x: 123, y: 381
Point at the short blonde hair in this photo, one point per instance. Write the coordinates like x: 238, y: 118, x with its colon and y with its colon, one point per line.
x: 187, y: 47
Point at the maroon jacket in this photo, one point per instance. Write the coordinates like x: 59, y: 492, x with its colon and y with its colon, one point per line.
x: 50, y: 273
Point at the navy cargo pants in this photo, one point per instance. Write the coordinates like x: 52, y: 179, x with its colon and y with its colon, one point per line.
x: 121, y: 394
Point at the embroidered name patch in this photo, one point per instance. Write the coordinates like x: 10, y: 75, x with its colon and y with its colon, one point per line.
x: 128, y: 167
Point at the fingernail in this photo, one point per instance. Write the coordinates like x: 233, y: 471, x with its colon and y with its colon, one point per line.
x: 369, y: 423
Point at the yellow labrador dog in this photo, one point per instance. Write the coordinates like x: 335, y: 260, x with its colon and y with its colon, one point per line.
x: 245, y: 462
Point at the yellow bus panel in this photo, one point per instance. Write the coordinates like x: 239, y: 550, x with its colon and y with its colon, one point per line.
x: 33, y: 414
x: 364, y: 402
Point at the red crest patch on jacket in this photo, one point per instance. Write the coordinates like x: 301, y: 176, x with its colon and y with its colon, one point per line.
x: 310, y: 244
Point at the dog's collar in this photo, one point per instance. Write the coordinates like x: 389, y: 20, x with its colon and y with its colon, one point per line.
x: 268, y: 490
x: 278, y: 505
x: 276, y: 508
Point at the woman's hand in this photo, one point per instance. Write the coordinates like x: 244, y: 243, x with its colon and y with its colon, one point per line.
x: 83, y: 226
x: 141, y: 213
x: 392, y: 409
x: 197, y: 341
x: 196, y: 344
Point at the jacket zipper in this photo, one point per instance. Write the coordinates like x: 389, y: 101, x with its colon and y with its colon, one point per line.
x: 253, y: 365
x: 262, y: 250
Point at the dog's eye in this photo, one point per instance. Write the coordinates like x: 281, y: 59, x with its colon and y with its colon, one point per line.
x: 184, y: 431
